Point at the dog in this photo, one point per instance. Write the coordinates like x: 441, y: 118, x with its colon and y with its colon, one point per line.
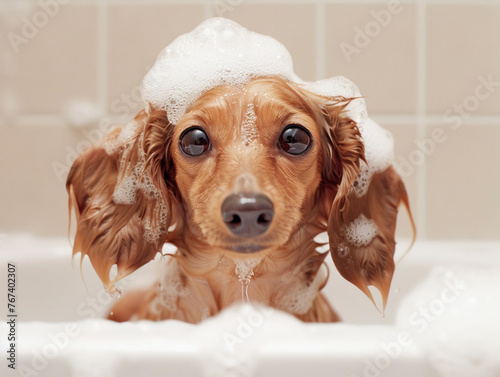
x: 242, y: 184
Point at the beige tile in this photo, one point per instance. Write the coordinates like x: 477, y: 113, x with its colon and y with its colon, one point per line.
x: 404, y: 143
x: 34, y: 198
x: 291, y: 24
x: 136, y: 35
x: 462, y: 47
x: 383, y: 62
x: 8, y: 65
x: 54, y: 59
x: 463, y: 180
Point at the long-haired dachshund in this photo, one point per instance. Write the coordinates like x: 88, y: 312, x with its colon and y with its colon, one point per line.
x: 241, y: 185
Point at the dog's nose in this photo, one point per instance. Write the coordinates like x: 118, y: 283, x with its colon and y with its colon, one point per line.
x: 247, y: 215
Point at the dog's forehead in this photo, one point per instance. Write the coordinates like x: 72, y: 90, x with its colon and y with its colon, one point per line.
x: 240, y: 97
x: 235, y: 114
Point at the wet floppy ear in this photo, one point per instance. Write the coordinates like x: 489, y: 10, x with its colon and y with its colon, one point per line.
x: 360, y: 227
x: 118, y: 190
x: 361, y: 233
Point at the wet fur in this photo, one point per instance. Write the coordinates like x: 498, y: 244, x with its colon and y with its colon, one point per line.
x: 311, y: 193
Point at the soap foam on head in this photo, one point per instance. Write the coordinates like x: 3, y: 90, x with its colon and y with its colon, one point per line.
x: 217, y: 52
x: 221, y: 52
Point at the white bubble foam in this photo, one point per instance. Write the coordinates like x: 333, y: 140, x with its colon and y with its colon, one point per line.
x: 125, y: 191
x: 299, y: 298
x: 361, y: 231
x: 244, y: 269
x: 126, y: 135
x: 217, y: 52
x: 378, y: 142
x: 339, y: 86
x: 248, y: 126
x: 130, y: 179
x: 379, y: 153
x: 170, y: 288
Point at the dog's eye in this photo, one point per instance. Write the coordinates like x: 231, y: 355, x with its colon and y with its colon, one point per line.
x: 194, y: 142
x: 295, y: 139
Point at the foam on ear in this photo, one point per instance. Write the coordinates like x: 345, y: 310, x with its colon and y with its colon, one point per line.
x: 378, y: 142
x: 137, y: 177
x: 339, y: 86
x: 379, y: 154
x: 361, y: 231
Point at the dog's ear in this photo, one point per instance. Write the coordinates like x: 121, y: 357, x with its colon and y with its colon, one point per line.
x: 121, y: 189
x: 361, y: 223
x: 361, y: 233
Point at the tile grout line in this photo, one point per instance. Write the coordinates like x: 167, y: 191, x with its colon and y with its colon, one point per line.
x: 320, y: 40
x: 102, y: 53
x: 421, y: 115
x: 208, y: 9
x: 438, y: 2
x: 390, y: 119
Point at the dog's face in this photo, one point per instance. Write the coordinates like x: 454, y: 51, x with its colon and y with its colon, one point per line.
x: 248, y: 162
x: 244, y: 171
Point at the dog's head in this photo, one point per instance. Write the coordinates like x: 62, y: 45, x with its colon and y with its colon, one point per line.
x: 249, y: 163
x: 242, y: 172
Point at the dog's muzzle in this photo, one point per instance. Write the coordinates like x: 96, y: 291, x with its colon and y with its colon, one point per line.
x: 247, y: 215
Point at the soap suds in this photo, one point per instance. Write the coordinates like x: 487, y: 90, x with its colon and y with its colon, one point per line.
x: 378, y: 142
x: 379, y: 153
x: 137, y: 177
x: 217, y: 52
x: 170, y: 286
x: 360, y: 232
x: 244, y: 271
x: 126, y: 135
x: 298, y: 298
x: 248, y: 126
x: 339, y: 86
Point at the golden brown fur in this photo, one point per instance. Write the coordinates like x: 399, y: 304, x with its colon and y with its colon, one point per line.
x: 311, y: 193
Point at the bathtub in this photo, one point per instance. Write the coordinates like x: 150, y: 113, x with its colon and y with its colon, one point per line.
x: 59, y: 330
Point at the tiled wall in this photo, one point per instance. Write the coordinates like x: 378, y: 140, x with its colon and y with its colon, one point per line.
x: 430, y: 72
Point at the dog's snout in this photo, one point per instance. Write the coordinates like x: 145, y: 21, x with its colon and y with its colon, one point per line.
x: 247, y: 215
